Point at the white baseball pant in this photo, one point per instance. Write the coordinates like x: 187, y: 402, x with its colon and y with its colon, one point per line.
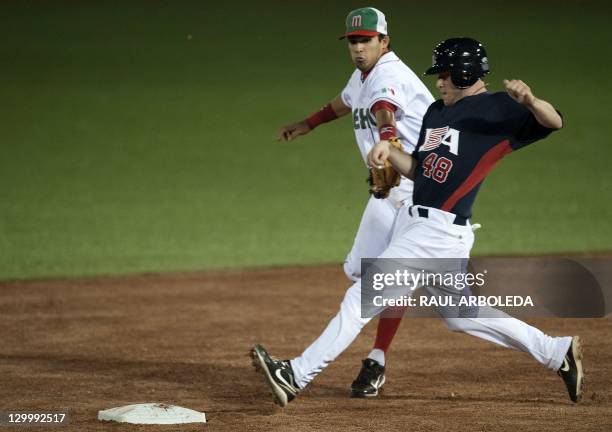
x: 433, y: 237
x: 376, y: 227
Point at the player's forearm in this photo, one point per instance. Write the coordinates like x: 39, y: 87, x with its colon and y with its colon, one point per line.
x: 404, y: 163
x: 385, y: 119
x: 329, y: 112
x: 545, y: 114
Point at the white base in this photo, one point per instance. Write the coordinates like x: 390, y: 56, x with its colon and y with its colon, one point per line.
x: 152, y: 413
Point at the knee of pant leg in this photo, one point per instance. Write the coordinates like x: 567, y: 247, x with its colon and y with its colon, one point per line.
x: 350, y: 309
x: 350, y: 271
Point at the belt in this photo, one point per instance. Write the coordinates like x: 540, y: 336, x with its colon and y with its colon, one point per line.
x: 424, y: 213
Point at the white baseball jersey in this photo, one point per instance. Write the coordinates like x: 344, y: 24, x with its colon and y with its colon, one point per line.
x: 392, y: 81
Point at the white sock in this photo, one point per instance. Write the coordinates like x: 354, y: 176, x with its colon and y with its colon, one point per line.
x: 378, y: 355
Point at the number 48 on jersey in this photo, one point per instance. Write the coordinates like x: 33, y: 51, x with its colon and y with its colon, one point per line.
x: 435, y: 166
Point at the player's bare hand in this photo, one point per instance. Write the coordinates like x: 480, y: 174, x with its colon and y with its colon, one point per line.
x: 520, y: 92
x: 379, y: 154
x: 292, y: 131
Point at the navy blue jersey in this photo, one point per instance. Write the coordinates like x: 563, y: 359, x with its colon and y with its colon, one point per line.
x: 459, y: 145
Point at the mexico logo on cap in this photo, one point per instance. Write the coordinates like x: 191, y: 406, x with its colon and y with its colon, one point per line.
x: 365, y: 22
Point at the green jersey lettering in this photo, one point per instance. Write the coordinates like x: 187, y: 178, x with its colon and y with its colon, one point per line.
x: 362, y: 119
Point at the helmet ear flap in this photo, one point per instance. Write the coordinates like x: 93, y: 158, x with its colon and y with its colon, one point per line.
x: 463, y: 79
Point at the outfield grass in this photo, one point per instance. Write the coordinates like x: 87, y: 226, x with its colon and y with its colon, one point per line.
x: 139, y: 136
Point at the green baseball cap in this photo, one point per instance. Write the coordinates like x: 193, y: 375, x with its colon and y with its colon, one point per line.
x: 366, y: 21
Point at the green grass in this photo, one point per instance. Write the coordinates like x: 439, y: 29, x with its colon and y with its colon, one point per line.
x: 129, y: 147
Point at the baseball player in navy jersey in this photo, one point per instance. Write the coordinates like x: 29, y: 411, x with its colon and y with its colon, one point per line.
x: 463, y: 136
x: 385, y: 99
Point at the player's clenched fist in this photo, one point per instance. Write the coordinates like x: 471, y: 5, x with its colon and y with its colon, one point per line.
x: 520, y: 92
x: 379, y: 154
x: 293, y: 130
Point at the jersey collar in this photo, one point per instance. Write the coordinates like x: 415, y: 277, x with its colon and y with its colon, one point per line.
x: 387, y: 57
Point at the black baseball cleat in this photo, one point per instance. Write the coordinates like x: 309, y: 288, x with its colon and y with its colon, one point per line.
x: 369, y: 381
x: 571, y: 370
x: 278, y: 375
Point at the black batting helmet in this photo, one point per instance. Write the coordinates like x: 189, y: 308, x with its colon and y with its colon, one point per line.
x: 465, y: 59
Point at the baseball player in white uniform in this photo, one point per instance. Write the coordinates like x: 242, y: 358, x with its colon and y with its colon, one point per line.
x: 385, y: 98
x: 429, y: 229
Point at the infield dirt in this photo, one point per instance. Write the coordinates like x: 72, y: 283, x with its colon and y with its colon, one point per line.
x: 84, y: 345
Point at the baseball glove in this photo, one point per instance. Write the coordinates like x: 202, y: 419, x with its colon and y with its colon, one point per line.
x: 381, y: 180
